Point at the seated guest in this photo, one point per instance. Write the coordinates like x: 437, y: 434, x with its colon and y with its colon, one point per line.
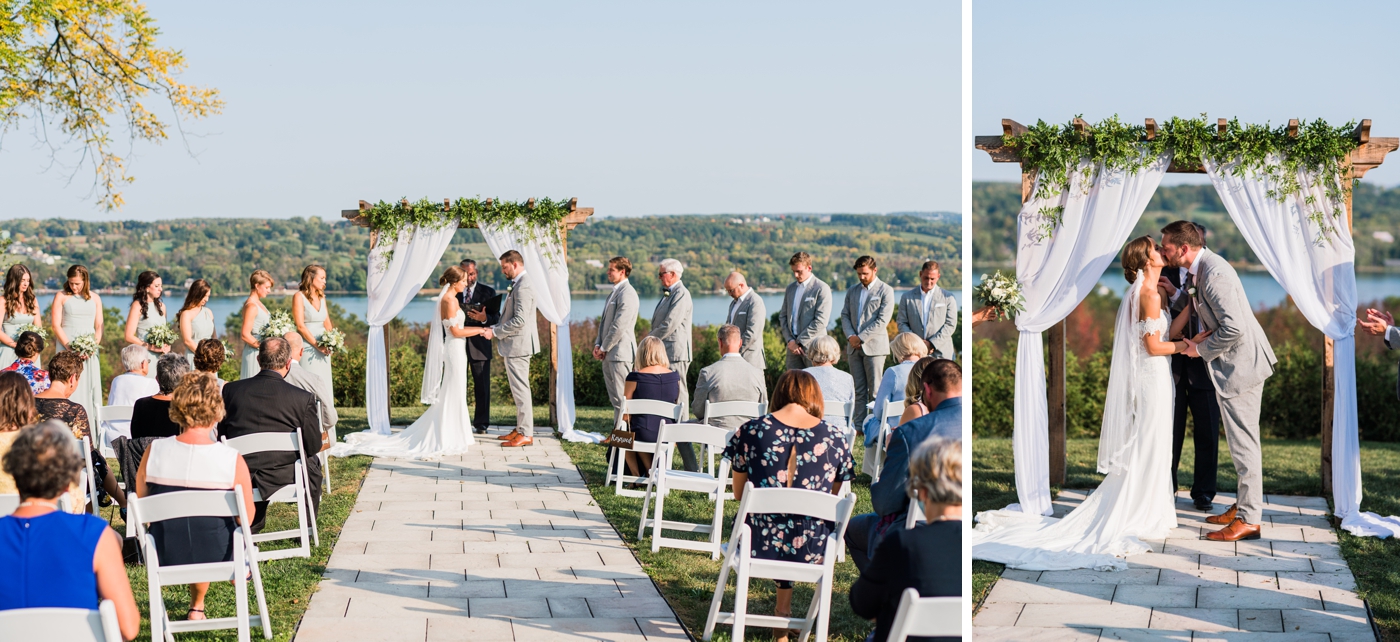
x: 927, y: 558
x: 942, y: 384
x: 209, y: 356
x: 836, y: 385
x: 907, y: 349
x: 312, y: 383
x: 27, y: 349
x: 914, y: 392
x: 64, y: 370
x: 16, y: 411
x: 50, y: 558
x: 652, y: 378
x: 763, y: 451
x: 150, y: 416
x: 732, y: 378
x: 265, y: 402
x: 134, y: 384
x: 193, y: 461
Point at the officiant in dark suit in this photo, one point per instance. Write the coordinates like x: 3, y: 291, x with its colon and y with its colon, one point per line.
x: 479, y: 347
x: 1194, y: 393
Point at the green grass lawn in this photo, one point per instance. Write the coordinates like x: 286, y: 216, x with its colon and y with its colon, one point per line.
x: 1290, y: 468
x: 687, y: 578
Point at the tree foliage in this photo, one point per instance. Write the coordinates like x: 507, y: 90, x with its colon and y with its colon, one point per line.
x: 78, y: 65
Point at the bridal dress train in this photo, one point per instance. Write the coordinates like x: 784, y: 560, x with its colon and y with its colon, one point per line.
x: 1135, y: 502
x: 444, y: 429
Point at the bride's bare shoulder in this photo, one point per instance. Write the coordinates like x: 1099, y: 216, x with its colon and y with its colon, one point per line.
x: 1150, y: 303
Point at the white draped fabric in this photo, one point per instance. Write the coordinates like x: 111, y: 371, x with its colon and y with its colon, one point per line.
x: 1056, y: 273
x: 549, y: 274
x: 1320, y: 276
x: 397, y: 272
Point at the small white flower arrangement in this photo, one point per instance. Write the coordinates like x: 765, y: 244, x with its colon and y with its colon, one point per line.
x: 161, y: 336
x: 85, y: 345
x: 333, y: 340
x: 278, y: 324
x: 1002, y: 293
x: 35, y: 328
x: 1191, y: 291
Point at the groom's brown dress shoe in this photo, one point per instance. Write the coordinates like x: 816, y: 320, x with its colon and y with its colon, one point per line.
x: 1236, y: 531
x: 1225, y: 517
x: 519, y: 441
x: 509, y: 436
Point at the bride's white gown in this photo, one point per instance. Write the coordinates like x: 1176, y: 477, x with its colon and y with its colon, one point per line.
x: 443, y: 430
x: 1135, y: 503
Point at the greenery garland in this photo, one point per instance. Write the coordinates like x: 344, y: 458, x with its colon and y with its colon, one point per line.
x: 520, y: 217
x: 1055, y: 151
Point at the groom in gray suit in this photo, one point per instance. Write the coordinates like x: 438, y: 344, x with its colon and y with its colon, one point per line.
x: 805, y: 312
x: 518, y: 338
x: 1239, y: 359
x: 930, y: 312
x: 747, y: 313
x: 865, y: 317
x: 616, y: 345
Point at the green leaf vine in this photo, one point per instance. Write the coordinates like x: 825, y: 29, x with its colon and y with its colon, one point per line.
x: 1055, y: 152
x: 527, y: 221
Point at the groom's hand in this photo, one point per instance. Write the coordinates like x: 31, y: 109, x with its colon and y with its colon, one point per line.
x: 1376, y: 322
x: 1191, y: 350
x: 1165, y: 283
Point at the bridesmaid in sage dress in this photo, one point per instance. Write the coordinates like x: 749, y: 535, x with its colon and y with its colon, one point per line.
x: 77, y: 311
x: 313, y: 322
x: 255, y: 316
x: 147, y: 311
x: 196, y: 321
x: 19, y: 309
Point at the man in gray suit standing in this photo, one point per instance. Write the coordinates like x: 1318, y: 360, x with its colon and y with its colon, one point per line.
x: 670, y: 322
x: 805, y: 312
x: 747, y: 313
x: 616, y: 345
x: 865, y: 317
x: 1239, y: 359
x: 732, y: 378
x: 518, y: 338
x: 930, y: 312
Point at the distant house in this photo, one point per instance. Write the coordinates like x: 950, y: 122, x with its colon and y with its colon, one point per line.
x: 1383, y: 236
x: 594, y: 263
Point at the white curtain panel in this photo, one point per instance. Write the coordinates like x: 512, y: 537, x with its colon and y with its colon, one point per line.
x: 397, y: 272
x: 544, y: 262
x: 1321, y: 278
x: 1056, y: 273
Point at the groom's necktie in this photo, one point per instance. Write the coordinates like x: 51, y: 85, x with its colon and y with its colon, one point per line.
x: 1194, y: 322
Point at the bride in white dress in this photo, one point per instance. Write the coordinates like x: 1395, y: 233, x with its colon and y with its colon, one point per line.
x: 1136, y: 501
x: 445, y: 428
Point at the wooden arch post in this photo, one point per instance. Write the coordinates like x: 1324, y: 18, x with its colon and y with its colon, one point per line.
x: 576, y: 216
x: 1369, y: 154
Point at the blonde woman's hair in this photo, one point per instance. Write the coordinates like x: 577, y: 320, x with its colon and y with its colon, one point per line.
x: 936, y: 469
x: 651, y: 352
x: 907, y: 344
x: 196, y: 401
x: 259, y: 276
x: 914, y: 387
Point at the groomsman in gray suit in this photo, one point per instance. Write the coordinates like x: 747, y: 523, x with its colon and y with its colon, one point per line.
x: 670, y: 322
x: 616, y: 345
x: 805, y: 312
x: 732, y: 378
x: 518, y: 338
x: 930, y: 312
x: 865, y: 318
x: 747, y: 313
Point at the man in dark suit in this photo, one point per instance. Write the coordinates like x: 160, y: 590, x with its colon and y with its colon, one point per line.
x: 267, y: 403
x: 1194, y: 392
x: 479, y: 347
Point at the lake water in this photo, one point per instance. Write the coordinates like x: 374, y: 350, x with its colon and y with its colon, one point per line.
x: 710, y: 309
x: 1264, y: 291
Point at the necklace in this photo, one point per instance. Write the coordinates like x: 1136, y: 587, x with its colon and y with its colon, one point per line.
x: 35, y: 502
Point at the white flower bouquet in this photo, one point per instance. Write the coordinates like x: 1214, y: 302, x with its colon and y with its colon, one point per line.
x: 278, y: 324
x: 85, y: 345
x: 1002, y: 293
x: 230, y: 352
x: 160, y: 336
x: 35, y: 328
x: 333, y: 340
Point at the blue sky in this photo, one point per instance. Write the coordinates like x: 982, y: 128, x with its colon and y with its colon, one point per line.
x: 1259, y: 61
x: 634, y: 107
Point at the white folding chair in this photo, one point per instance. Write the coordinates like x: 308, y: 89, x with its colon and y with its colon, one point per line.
x: 90, y: 482
x: 106, y: 415
x: 8, y: 503
x: 915, y: 514
x: 717, y: 409
x: 202, y: 503
x: 926, y: 617
x: 617, y: 462
x: 324, y: 455
x: 664, y: 479
x: 69, y: 625
x: 843, y: 409
x: 893, y: 409
x: 298, y: 492
x: 797, y: 502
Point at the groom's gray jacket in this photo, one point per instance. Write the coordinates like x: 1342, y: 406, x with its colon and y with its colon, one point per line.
x: 1237, y: 353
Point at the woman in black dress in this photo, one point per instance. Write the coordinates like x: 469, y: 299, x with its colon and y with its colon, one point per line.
x: 150, y: 416
x: 652, y: 379
x: 65, y: 369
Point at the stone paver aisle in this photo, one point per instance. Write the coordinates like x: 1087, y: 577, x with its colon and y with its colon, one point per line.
x: 1290, y: 585
x: 499, y: 544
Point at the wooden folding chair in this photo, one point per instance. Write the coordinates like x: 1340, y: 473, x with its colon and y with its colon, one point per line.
x: 298, y: 492
x: 664, y: 479
x: 926, y: 617
x: 69, y: 625
x: 617, y: 459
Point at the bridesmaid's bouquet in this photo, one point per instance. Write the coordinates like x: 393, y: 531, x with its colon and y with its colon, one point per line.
x: 230, y: 352
x: 85, y: 345
x: 35, y: 328
x: 278, y: 323
x: 161, y: 336
x: 333, y: 340
x: 1002, y: 293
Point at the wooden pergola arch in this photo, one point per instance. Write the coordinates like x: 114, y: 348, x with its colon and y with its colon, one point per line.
x: 576, y: 216
x: 1369, y: 154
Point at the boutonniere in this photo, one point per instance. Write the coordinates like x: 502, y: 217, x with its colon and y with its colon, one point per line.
x: 1191, y: 291
x: 509, y: 288
x: 668, y: 292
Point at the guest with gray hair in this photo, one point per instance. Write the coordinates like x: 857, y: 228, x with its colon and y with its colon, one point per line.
x: 836, y: 385
x: 129, y: 386
x: 732, y: 378
x: 671, y: 323
x: 150, y: 416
